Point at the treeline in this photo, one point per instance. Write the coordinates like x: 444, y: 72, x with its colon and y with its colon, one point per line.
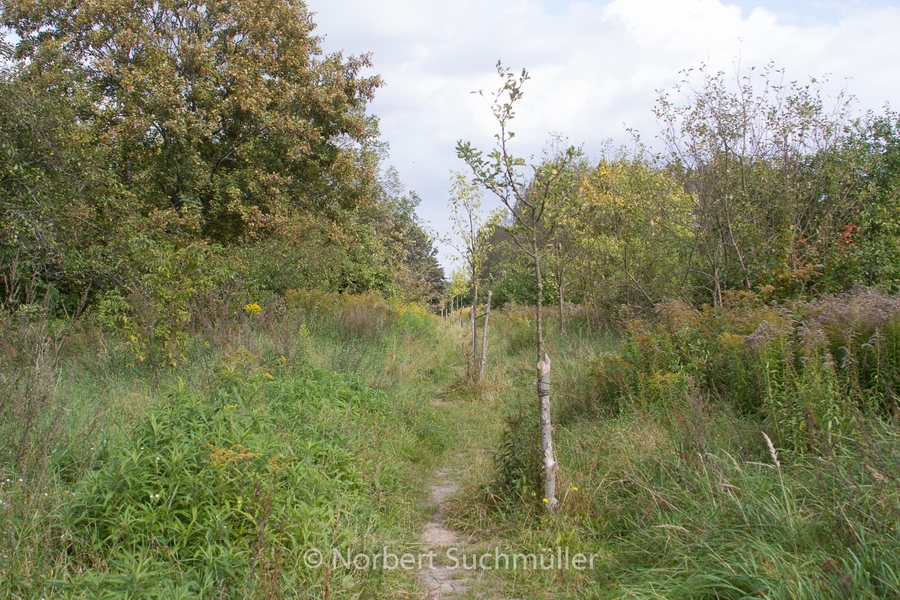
x: 756, y: 184
x: 155, y: 152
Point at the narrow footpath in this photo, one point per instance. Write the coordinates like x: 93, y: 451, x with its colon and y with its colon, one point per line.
x: 475, y: 429
x: 440, y: 579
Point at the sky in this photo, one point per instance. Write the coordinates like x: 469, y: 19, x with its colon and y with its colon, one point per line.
x: 596, y: 67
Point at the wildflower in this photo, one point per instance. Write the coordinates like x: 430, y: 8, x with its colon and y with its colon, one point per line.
x: 268, y: 376
x: 545, y: 501
x: 252, y: 308
x: 574, y: 488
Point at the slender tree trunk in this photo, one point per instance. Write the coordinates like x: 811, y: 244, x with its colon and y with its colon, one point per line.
x: 550, y: 465
x: 484, y: 334
x: 543, y: 389
x: 559, y: 289
x: 474, y: 372
x: 539, y: 304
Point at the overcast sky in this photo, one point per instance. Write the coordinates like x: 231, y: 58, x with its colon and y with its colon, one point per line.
x: 595, y: 66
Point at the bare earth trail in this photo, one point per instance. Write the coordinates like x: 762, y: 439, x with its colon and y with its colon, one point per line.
x: 440, y: 579
x: 476, y: 433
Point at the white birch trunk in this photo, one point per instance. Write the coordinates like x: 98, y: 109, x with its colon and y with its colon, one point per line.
x: 484, y: 335
x: 550, y: 466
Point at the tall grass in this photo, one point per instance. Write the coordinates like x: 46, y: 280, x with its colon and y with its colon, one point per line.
x: 747, y: 451
x: 301, y: 425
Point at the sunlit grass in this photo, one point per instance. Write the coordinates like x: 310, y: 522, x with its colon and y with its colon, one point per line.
x: 281, y: 431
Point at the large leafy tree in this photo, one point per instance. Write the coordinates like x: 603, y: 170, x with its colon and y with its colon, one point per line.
x: 761, y: 157
x: 225, y: 109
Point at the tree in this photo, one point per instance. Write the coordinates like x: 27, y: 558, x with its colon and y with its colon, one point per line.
x: 527, y: 197
x: 762, y: 161
x: 635, y: 220
x: 223, y: 108
x: 457, y: 288
x: 872, y: 240
x: 472, y: 242
x: 61, y: 214
x: 204, y: 123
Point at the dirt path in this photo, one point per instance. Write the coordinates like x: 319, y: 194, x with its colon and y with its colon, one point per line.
x: 440, y: 580
x: 473, y: 427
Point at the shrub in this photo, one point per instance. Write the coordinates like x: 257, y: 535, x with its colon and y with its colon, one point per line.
x: 155, y: 313
x: 811, y: 370
x: 220, y: 494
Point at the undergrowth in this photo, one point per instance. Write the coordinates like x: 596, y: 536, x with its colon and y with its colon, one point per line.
x: 746, y: 451
x: 287, y: 426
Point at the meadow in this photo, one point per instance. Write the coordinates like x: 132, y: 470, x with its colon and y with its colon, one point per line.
x: 744, y: 451
x: 291, y: 424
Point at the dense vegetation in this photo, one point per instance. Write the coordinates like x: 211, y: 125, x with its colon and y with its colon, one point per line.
x: 152, y: 154
x: 292, y: 425
x: 715, y: 453
x: 757, y: 185
x: 218, y: 346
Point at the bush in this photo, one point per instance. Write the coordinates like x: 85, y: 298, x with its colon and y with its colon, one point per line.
x: 155, y: 313
x: 220, y: 494
x: 810, y: 370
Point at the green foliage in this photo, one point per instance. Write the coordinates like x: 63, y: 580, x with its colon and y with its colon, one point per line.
x: 208, y: 489
x: 58, y: 206
x: 761, y: 186
x: 509, y: 272
x: 214, y: 477
x: 871, y: 241
x: 155, y: 315
x: 813, y: 371
x: 193, y: 124
x: 518, y: 477
x: 632, y: 226
x: 667, y: 475
x: 764, y: 162
x: 227, y: 107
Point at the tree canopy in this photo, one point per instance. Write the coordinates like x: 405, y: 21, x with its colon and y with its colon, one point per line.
x: 215, y: 123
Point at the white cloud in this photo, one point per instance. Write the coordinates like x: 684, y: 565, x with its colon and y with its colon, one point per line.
x: 595, y: 66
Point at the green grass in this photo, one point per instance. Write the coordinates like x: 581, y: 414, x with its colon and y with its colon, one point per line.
x: 320, y: 423
x: 279, y: 433
x: 678, y: 492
